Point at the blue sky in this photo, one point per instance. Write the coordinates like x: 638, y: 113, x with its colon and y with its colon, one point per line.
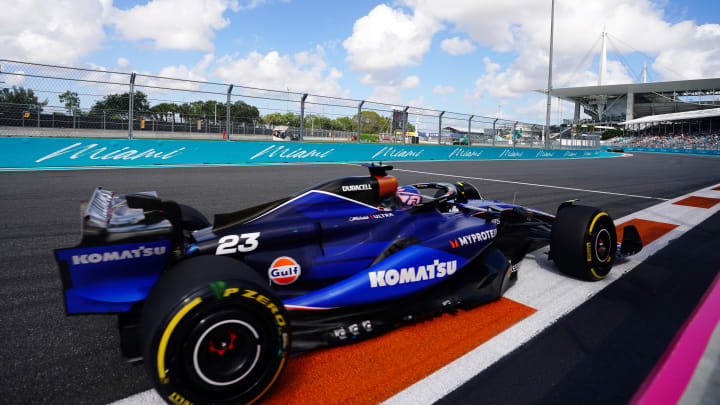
x: 469, y: 56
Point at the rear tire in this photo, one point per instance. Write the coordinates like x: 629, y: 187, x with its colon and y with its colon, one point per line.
x: 212, y: 333
x: 583, y: 242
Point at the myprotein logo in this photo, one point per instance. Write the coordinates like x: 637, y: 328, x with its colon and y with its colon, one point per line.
x: 392, y: 277
x: 117, y: 255
x: 94, y: 151
x: 473, y: 238
x: 356, y: 187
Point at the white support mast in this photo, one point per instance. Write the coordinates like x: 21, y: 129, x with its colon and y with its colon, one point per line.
x: 603, y: 59
x: 549, y: 87
x: 644, y: 74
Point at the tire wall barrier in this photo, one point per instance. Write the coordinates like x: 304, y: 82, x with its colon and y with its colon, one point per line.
x: 75, y: 152
x: 714, y: 152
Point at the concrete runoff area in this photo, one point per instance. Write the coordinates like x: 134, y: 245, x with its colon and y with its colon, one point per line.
x: 76, y: 359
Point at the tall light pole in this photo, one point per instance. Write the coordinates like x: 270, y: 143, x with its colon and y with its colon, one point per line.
x: 549, y: 88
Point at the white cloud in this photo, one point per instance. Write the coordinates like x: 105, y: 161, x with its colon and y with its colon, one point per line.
x: 681, y: 50
x: 410, y: 82
x: 197, y: 72
x: 387, y: 94
x: 123, y: 62
x: 457, y: 46
x: 60, y: 31
x: 440, y: 89
x: 387, y: 39
x: 15, y: 79
x: 173, y: 24
x: 303, y: 72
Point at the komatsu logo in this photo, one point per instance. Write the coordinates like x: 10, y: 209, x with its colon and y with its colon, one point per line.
x: 356, y: 187
x: 393, y: 277
x: 141, y: 251
x: 473, y: 238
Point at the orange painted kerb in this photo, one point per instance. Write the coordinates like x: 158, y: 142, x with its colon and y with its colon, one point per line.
x: 699, y: 202
x: 372, y: 371
x: 649, y: 230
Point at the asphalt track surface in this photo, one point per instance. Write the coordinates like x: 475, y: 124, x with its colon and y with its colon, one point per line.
x: 48, y: 357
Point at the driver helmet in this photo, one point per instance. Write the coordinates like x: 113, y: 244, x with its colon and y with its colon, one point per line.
x: 409, y: 196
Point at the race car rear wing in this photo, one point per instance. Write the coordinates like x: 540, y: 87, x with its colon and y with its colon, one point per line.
x: 110, y: 217
x: 127, y: 241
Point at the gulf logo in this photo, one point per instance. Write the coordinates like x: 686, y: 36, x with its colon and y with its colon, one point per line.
x: 284, y: 270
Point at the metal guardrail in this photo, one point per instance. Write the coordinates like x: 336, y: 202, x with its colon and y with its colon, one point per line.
x: 78, y: 99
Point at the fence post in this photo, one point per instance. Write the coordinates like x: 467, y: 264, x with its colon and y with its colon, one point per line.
x: 131, y: 105
x: 405, y: 119
x: 207, y: 129
x: 104, y: 127
x: 440, y: 126
x: 494, y: 132
x: 512, y: 136
x: 359, y: 119
x: 38, y: 111
x: 469, y: 128
x: 228, y: 125
x: 74, y: 117
x: 302, y: 116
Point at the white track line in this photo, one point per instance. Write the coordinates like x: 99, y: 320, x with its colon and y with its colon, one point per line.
x: 553, y: 295
x: 532, y: 184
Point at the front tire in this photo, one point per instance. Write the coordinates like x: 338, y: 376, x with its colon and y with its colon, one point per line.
x: 212, y: 333
x: 583, y: 242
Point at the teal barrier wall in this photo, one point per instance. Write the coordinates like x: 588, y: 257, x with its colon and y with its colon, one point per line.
x: 73, y: 152
x: 714, y: 152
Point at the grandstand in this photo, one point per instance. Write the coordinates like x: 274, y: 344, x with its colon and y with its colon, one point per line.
x: 686, y: 109
x: 624, y: 102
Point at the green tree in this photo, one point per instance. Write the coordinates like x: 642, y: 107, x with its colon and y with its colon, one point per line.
x: 241, y: 111
x: 591, y: 128
x: 371, y: 122
x: 289, y: 119
x: 345, y: 124
x: 71, y: 101
x: 164, y: 111
x: 20, y: 95
x: 120, y: 103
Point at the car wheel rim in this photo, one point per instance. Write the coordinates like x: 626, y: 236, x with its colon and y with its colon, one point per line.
x: 226, y: 352
x: 603, y: 245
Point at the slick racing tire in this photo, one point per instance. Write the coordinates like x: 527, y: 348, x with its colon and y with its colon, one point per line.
x: 583, y: 242
x: 212, y: 333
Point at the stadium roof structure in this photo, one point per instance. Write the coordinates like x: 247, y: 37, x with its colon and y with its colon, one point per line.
x: 679, y: 116
x: 681, y: 87
x: 624, y: 102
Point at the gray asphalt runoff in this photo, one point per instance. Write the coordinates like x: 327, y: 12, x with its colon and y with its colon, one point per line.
x: 48, y: 357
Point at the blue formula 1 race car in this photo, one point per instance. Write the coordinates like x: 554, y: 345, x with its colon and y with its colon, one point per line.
x: 212, y: 308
